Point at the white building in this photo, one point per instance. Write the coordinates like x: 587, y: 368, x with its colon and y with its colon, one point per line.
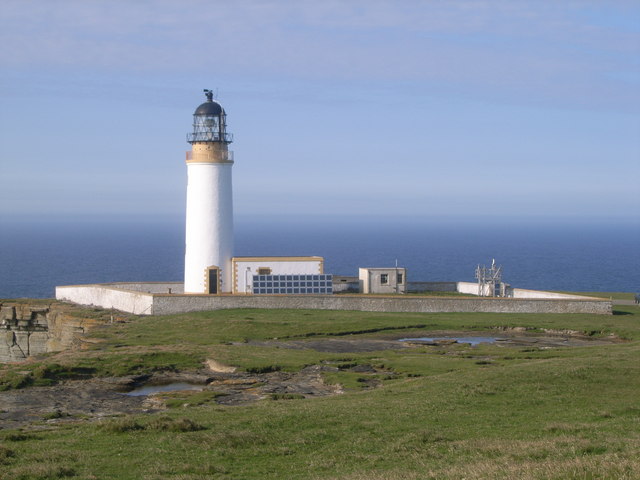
x: 280, y: 275
x: 383, y: 280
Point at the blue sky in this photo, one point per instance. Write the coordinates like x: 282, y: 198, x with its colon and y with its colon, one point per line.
x: 365, y: 108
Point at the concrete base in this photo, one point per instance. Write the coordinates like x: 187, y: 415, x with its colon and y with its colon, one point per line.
x: 155, y: 299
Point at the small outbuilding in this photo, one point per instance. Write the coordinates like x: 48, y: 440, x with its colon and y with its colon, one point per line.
x: 382, y: 280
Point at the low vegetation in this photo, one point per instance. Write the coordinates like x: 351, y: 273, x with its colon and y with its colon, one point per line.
x: 611, y: 295
x: 421, y: 412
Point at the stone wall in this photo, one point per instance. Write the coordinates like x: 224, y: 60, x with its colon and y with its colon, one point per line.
x: 27, y: 330
x: 169, y: 304
x: 110, y: 296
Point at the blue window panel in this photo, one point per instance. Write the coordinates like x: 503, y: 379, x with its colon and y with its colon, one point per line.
x: 292, y: 284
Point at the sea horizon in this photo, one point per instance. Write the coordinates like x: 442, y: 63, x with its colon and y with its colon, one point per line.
x: 546, y: 253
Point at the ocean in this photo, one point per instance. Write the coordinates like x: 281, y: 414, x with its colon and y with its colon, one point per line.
x: 37, y: 256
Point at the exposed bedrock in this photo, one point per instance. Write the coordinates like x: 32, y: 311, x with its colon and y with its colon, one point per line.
x: 27, y: 330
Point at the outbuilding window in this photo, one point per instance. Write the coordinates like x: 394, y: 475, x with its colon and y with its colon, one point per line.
x: 384, y: 279
x: 399, y: 279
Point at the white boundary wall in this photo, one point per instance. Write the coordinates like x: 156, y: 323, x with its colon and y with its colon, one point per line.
x: 472, y: 288
x: 107, y: 296
x: 142, y: 303
x: 523, y: 293
x: 467, y: 287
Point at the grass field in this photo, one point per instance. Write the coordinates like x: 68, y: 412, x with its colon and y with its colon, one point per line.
x: 447, y: 412
x: 611, y: 295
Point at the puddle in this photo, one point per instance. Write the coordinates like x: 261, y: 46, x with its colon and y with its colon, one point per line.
x: 170, y: 387
x: 469, y: 340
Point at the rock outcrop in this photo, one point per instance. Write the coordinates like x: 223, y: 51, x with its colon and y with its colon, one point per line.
x: 27, y: 330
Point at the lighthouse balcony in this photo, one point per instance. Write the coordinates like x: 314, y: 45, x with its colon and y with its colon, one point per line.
x: 223, y: 156
x: 207, y: 135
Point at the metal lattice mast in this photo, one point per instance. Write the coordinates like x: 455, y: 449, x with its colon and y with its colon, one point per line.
x: 489, y: 279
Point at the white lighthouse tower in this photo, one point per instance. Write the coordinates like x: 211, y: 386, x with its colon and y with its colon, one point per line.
x: 209, y: 226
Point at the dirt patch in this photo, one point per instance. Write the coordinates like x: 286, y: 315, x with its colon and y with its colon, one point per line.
x: 98, y: 398
x: 333, y: 345
x: 65, y: 402
x: 511, y: 337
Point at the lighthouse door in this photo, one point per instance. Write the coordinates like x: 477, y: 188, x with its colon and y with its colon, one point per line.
x: 213, y: 280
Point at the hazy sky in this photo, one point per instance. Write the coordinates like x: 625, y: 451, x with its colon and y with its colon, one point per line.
x: 345, y: 107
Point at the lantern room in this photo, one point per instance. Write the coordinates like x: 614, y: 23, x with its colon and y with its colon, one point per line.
x: 209, y: 123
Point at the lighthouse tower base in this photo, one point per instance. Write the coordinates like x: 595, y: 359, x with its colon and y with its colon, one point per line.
x: 209, y: 228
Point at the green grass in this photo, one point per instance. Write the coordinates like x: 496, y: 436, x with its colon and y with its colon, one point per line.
x: 612, y: 295
x: 442, y: 294
x: 447, y: 412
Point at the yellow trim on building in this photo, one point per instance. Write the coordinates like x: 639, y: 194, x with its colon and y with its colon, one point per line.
x: 277, y: 259
x: 206, y: 280
x: 209, y: 153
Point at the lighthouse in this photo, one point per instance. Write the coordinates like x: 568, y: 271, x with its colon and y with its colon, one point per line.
x: 209, y: 223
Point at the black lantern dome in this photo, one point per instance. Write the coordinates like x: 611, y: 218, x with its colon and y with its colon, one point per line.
x: 209, y: 123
